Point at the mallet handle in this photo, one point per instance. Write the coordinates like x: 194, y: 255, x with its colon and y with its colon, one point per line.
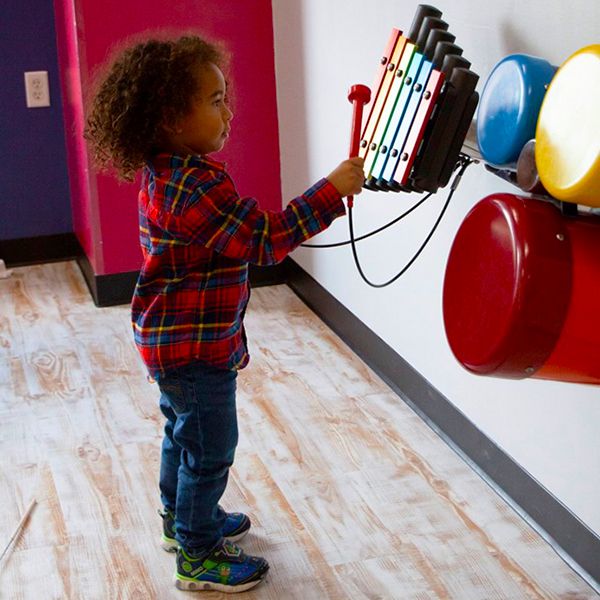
x: 359, y: 95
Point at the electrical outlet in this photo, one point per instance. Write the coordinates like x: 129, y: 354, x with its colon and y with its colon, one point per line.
x: 37, y: 91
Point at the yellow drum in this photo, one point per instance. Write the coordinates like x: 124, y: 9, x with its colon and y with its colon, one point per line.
x: 567, y: 149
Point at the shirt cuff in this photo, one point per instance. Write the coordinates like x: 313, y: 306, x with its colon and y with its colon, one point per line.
x: 331, y: 200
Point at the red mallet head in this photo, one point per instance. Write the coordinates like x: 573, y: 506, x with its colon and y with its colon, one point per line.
x: 359, y: 93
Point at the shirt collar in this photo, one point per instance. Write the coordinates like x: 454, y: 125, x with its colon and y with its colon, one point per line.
x: 163, y: 161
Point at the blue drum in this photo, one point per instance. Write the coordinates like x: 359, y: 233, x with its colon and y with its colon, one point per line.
x: 509, y: 107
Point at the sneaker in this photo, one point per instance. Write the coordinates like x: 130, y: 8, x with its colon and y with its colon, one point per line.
x: 236, y: 527
x: 225, y: 569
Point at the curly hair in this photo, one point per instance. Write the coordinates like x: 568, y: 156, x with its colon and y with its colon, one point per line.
x: 147, y: 86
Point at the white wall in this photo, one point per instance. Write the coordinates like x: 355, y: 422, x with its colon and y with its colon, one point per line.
x: 321, y: 48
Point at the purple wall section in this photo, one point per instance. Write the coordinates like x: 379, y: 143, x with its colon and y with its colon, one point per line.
x: 34, y: 189
x: 105, y: 211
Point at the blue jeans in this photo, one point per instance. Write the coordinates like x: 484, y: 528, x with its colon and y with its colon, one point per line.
x: 201, y: 435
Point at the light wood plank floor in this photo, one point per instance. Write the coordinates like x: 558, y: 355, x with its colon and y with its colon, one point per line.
x: 351, y: 494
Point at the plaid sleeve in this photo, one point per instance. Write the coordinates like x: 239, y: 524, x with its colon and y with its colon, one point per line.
x: 236, y: 227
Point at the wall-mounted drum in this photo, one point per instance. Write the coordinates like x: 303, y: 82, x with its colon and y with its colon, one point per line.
x: 521, y: 291
x: 567, y: 150
x: 509, y: 107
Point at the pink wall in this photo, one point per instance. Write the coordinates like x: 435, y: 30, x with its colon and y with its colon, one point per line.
x: 104, y: 210
x: 86, y: 220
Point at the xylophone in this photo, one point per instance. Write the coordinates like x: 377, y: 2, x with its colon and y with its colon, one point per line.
x: 419, y: 116
x: 423, y: 103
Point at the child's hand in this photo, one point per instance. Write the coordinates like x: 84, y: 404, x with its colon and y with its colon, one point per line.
x: 348, y: 176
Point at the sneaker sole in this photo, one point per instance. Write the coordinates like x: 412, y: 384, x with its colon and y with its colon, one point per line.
x: 190, y: 585
x: 169, y: 545
x: 239, y: 536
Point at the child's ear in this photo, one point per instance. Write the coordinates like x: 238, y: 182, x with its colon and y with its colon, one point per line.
x: 171, y: 124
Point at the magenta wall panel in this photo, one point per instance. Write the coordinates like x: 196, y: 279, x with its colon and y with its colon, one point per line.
x: 104, y: 210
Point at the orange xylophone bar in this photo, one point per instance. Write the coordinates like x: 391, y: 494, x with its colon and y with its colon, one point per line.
x: 383, y: 80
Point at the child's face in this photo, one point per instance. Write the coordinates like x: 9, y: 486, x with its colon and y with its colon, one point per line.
x: 206, y: 127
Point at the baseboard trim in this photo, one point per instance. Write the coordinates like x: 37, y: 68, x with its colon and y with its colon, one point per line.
x: 40, y: 249
x: 273, y: 275
x: 108, y: 290
x: 561, y: 528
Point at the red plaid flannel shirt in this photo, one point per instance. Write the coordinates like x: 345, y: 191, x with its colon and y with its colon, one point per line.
x: 197, y: 237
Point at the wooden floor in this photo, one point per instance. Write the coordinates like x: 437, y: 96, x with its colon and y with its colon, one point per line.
x: 351, y: 495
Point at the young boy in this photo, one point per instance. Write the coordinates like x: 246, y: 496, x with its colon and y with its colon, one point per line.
x: 162, y: 108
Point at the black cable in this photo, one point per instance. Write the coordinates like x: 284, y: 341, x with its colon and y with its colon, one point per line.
x: 463, y: 163
x: 366, y: 235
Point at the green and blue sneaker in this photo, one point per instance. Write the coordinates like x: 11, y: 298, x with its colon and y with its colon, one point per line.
x: 226, y: 568
x: 236, y: 527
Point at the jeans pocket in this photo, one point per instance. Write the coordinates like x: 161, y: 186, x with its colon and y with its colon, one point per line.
x: 173, y: 391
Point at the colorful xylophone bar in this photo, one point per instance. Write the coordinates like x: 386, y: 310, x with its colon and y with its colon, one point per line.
x: 423, y: 105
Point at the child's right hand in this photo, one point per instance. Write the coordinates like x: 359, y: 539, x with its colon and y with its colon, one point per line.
x: 348, y: 176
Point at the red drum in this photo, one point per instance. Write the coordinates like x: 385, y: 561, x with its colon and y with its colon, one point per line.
x: 521, y: 291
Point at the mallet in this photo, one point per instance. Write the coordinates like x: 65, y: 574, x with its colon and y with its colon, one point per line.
x: 359, y: 95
